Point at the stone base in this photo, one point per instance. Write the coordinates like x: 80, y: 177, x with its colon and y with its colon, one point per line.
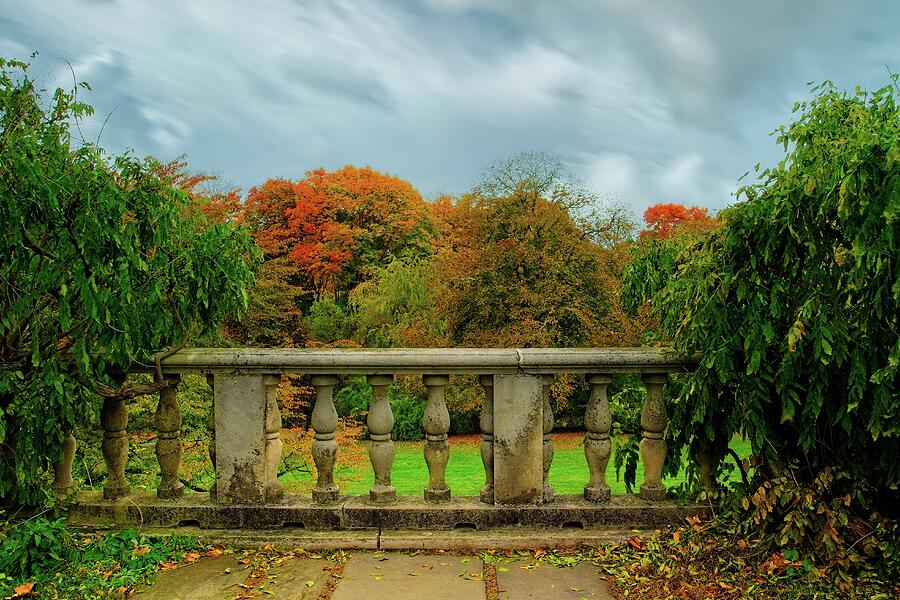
x: 437, y: 496
x: 653, y: 493
x: 349, y: 513
x: 176, y: 491
x: 325, y: 496
x: 597, y: 493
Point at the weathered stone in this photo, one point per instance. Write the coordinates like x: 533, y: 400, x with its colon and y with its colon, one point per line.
x: 325, y: 448
x: 62, y: 470
x: 377, y: 576
x: 274, y: 490
x: 207, y: 579
x: 240, y: 413
x: 524, y: 579
x: 211, y: 429
x: 296, y: 579
x: 436, y: 422
x: 407, y: 513
x: 518, y: 439
x: 114, y: 420
x: 381, y: 447
x: 168, y: 440
x: 547, y: 452
x: 597, y: 446
x: 653, y: 444
x: 486, y: 423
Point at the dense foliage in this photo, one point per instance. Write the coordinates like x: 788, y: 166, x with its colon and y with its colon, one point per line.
x: 793, y: 306
x: 103, y: 264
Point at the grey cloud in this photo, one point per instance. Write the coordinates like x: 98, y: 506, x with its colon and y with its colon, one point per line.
x: 652, y: 101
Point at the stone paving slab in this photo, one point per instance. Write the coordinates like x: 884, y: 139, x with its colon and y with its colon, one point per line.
x: 296, y: 579
x: 550, y: 583
x: 207, y: 579
x: 386, y: 576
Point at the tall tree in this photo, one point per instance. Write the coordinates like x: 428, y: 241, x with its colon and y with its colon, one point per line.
x: 103, y: 265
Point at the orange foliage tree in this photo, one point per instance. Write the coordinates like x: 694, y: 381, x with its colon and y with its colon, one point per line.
x: 662, y: 219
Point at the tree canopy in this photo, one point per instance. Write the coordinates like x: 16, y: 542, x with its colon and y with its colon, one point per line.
x: 104, y: 264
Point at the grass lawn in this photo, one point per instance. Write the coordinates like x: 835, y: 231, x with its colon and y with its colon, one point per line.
x: 465, y: 473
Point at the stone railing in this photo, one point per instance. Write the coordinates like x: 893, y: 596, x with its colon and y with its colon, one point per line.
x: 517, y: 448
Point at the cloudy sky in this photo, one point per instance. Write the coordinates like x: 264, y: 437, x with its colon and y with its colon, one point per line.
x: 645, y: 101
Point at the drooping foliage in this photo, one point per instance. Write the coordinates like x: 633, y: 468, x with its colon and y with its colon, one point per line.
x: 793, y: 304
x: 103, y: 264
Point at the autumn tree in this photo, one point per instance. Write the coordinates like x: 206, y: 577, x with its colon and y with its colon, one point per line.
x: 663, y: 219
x: 103, y: 264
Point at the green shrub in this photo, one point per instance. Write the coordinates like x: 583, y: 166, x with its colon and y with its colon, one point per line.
x: 329, y: 321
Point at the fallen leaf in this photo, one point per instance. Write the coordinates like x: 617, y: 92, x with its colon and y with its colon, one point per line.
x: 310, y: 583
x: 141, y: 550
x: 24, y: 589
x: 676, y: 536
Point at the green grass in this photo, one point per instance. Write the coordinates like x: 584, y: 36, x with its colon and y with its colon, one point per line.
x: 465, y: 473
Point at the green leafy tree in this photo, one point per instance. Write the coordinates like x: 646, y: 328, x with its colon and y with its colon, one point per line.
x: 103, y: 265
x: 793, y: 306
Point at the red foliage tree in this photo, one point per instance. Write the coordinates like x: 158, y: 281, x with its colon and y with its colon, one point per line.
x: 663, y: 219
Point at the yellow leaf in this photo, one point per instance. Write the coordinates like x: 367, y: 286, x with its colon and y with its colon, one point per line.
x: 24, y: 589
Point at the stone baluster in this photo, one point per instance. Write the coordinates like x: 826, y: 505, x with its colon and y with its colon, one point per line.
x: 114, y: 420
x: 653, y: 444
x: 708, y: 461
x: 547, y: 412
x: 487, y: 438
x: 381, y: 448
x: 62, y: 470
x: 274, y: 490
x: 324, y: 448
x: 168, y: 440
x: 597, y: 421
x: 211, y: 428
x: 436, y: 422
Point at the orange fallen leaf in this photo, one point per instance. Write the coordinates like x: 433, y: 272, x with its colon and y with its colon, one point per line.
x: 141, y: 550
x: 636, y: 543
x: 192, y: 557
x: 214, y: 552
x: 24, y: 589
x: 676, y: 536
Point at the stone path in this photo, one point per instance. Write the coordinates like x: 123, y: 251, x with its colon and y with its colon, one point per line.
x: 380, y: 576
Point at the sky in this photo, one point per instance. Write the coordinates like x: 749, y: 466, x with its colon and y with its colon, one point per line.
x: 644, y: 101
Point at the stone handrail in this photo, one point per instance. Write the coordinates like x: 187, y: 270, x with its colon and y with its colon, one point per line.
x: 516, y: 423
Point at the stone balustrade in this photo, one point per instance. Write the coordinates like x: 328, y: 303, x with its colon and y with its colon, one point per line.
x: 517, y: 447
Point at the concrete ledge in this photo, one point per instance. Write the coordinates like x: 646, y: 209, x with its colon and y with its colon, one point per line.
x: 443, y: 361
x: 357, y: 513
x: 372, y: 539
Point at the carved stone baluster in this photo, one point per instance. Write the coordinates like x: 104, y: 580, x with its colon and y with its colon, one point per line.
x: 436, y: 423
x: 548, y: 440
x: 114, y: 420
x: 708, y: 461
x: 381, y: 448
x: 274, y: 490
x: 211, y: 428
x: 597, y: 421
x: 324, y: 448
x: 62, y: 470
x: 653, y: 444
x: 168, y: 440
x: 487, y: 438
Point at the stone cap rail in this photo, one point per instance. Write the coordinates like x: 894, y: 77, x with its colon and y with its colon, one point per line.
x: 437, y: 361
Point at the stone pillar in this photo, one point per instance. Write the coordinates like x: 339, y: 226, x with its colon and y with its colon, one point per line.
x: 597, y: 421
x: 62, y: 470
x: 518, y: 439
x: 436, y: 423
x: 240, y: 414
x: 653, y: 444
x: 211, y: 429
x: 487, y: 438
x: 708, y: 461
x: 381, y: 447
x: 168, y: 440
x: 324, y: 448
x: 114, y: 420
x: 274, y: 490
x: 547, y: 429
